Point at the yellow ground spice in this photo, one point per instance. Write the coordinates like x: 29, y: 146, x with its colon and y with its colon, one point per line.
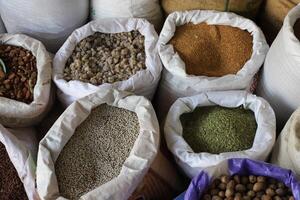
x: 212, y: 50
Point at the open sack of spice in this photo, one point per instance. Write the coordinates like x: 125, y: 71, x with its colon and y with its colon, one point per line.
x: 119, y: 53
x: 25, y: 80
x: 17, y: 168
x: 203, y: 130
x: 99, y: 148
x: 286, y: 152
x: 205, y: 51
x: 243, y: 179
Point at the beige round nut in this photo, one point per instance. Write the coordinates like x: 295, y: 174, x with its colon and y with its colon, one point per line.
x: 252, y: 179
x: 206, y: 197
x: 266, y: 197
x: 231, y: 184
x: 261, y: 179
x: 229, y: 193
x: 221, y: 194
x: 222, y: 186
x: 214, y: 191
x: 280, y: 192
x: 240, y: 188
x: 259, y: 186
x: 251, y: 193
x: 245, y: 180
x: 270, y: 192
x: 237, y: 179
x: 216, y: 197
x: 277, y: 197
x: 225, y: 179
x: 246, y: 198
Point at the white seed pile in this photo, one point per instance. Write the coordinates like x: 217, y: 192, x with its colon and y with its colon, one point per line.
x: 106, y: 58
x: 96, y: 152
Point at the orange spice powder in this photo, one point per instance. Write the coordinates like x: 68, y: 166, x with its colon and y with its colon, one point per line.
x: 212, y: 50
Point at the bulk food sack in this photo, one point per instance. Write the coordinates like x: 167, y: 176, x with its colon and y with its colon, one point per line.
x: 253, y: 179
x: 148, y: 9
x: 17, y: 168
x: 99, y: 148
x: 231, y: 105
x: 119, y: 53
x: 286, y: 151
x: 280, y: 75
x: 2, y: 27
x: 272, y: 16
x: 246, y: 8
x: 26, y: 80
x: 50, y: 22
x: 178, y: 81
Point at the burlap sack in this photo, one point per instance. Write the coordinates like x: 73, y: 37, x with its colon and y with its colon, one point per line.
x: 247, y: 8
x: 273, y: 14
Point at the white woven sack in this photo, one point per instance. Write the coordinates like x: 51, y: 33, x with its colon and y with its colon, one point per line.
x: 279, y: 83
x: 142, y: 83
x: 2, y: 27
x: 48, y: 21
x: 18, y: 114
x: 286, y: 152
x: 22, y: 159
x: 192, y: 163
x: 177, y: 83
x: 28, y: 136
x: 148, y: 9
x: 136, y: 165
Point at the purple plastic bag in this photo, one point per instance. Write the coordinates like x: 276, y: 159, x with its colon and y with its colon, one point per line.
x: 244, y: 167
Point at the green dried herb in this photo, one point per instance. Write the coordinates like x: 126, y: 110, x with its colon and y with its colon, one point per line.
x: 216, y: 129
x: 3, y: 66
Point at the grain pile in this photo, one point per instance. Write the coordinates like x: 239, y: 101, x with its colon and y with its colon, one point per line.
x: 11, y: 187
x: 18, y: 73
x: 212, y: 50
x: 96, y: 152
x: 106, y: 58
x: 218, y: 129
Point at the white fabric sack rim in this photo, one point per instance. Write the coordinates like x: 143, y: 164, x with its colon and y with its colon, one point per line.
x: 113, y: 25
x: 41, y: 93
x: 292, y: 44
x: 135, y: 166
x: 179, y: 147
x: 176, y: 66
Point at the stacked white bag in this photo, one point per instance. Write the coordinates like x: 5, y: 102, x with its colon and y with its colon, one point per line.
x: 135, y: 166
x: 280, y: 79
x: 143, y: 83
x: 177, y: 83
x: 148, y: 9
x: 286, y: 152
x: 18, y: 114
x: 2, y: 27
x: 192, y: 163
x: 22, y: 158
x: 48, y: 21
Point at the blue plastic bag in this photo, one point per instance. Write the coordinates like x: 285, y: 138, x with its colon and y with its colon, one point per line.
x: 243, y: 167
